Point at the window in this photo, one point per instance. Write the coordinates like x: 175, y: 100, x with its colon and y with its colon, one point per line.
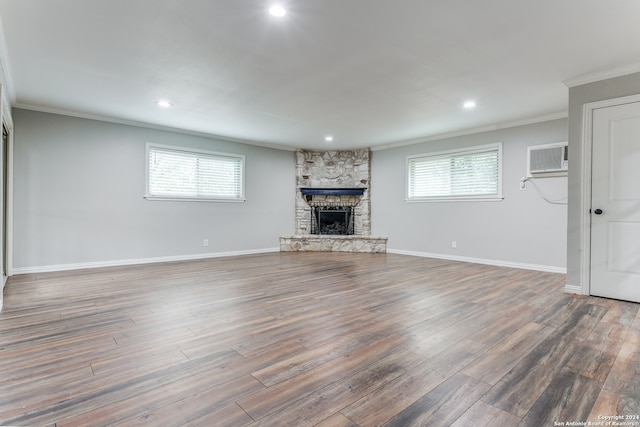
x: 468, y: 174
x: 186, y: 174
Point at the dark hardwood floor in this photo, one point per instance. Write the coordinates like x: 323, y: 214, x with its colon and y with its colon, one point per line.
x: 313, y: 339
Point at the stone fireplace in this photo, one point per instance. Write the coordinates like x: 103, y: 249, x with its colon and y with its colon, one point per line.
x: 332, y: 203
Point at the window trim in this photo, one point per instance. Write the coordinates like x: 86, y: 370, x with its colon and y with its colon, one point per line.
x: 149, y: 146
x: 462, y: 198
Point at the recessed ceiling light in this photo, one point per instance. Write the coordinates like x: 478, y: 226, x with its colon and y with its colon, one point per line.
x: 328, y: 138
x: 277, y: 10
x: 468, y: 105
x: 163, y: 103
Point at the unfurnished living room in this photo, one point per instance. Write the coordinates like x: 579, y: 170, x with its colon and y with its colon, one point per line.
x: 319, y: 213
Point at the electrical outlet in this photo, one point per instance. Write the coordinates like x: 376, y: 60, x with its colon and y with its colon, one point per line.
x: 205, y: 242
x: 454, y: 244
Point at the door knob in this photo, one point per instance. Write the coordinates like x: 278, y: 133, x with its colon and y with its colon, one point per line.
x: 598, y: 211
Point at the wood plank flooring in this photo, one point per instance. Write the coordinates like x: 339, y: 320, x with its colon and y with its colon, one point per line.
x: 313, y: 339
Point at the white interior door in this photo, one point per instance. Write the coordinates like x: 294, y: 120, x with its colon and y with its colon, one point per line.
x: 615, y: 202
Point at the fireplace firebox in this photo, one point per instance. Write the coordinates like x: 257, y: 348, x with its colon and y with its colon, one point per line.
x: 334, y: 220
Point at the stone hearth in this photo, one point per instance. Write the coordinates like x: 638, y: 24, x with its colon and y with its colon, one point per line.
x: 322, y: 243
x: 333, y: 179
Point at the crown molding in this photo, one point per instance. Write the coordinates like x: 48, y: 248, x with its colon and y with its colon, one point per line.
x: 108, y: 119
x: 602, y: 75
x: 471, y: 131
x: 116, y: 120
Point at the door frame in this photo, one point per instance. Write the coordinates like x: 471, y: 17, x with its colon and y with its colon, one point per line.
x: 7, y: 196
x: 585, y: 218
x: 7, y: 121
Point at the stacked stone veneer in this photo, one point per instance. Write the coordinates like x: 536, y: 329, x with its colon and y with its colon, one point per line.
x: 333, y: 169
x: 315, y: 243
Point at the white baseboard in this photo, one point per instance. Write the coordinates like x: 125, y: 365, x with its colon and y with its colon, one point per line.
x: 498, y: 263
x: 4, y: 282
x: 123, y: 262
x: 571, y: 289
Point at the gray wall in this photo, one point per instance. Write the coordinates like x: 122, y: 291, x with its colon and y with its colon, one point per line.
x: 578, y: 96
x: 522, y: 230
x: 79, y: 183
x: 79, y: 186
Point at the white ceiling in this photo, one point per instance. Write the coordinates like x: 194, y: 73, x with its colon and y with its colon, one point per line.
x: 368, y: 72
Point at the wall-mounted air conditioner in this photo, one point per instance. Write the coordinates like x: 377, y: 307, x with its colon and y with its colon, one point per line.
x: 548, y: 159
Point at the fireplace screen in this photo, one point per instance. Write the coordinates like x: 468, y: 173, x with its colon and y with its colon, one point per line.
x: 332, y: 220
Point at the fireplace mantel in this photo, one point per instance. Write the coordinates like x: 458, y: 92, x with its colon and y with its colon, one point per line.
x: 306, y: 191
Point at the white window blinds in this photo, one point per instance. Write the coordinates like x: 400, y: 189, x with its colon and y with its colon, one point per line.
x: 179, y: 173
x: 473, y: 173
